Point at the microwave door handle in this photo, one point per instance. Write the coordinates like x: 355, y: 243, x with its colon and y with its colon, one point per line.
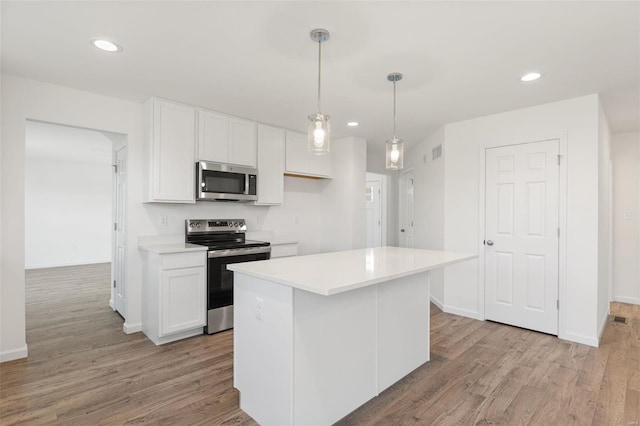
x: 246, y: 184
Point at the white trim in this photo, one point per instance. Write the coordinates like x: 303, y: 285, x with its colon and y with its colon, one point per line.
x: 603, y: 324
x: 562, y: 224
x: 111, y: 305
x: 437, y: 302
x: 462, y: 312
x: 625, y: 299
x: 131, y: 328
x: 73, y: 263
x: 14, y: 354
x: 581, y: 338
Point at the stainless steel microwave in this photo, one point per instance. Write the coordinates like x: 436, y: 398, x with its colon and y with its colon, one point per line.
x: 224, y: 182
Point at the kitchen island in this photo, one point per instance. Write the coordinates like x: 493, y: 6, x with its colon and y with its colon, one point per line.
x: 317, y: 336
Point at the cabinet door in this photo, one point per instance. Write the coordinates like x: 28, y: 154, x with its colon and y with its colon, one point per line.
x: 173, y: 147
x: 213, y: 137
x: 270, y: 165
x: 242, y: 142
x: 320, y: 165
x: 182, y: 300
x: 297, y: 157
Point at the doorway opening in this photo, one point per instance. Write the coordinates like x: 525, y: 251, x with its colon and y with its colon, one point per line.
x: 376, y: 209
x: 74, y: 224
x: 406, y: 211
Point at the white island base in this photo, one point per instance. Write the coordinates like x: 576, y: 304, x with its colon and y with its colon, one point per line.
x: 308, y: 351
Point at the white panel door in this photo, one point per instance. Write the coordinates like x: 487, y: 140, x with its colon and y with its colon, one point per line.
x: 406, y: 209
x: 521, y: 235
x: 120, y: 233
x: 213, y: 137
x: 243, y: 142
x: 182, y: 300
x: 373, y: 207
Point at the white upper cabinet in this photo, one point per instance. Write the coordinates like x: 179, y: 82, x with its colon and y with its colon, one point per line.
x: 213, y: 136
x: 170, y: 145
x: 243, y: 141
x: 225, y: 139
x: 270, y: 165
x: 300, y: 162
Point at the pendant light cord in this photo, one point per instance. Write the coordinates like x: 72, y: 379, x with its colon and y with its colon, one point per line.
x: 319, y: 71
x: 394, y: 110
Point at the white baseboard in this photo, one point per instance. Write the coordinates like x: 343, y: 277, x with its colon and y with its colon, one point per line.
x: 624, y: 299
x: 603, y: 324
x: 438, y: 303
x: 581, y: 338
x: 14, y: 354
x: 462, y: 312
x: 73, y: 263
x: 131, y: 328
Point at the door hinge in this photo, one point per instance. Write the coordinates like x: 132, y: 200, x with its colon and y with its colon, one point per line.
x: 115, y: 226
x: 557, y: 304
x: 115, y: 168
x: 114, y: 283
x: 559, y: 157
x: 558, y: 232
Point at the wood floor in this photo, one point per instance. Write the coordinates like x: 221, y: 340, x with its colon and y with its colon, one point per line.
x: 83, y: 370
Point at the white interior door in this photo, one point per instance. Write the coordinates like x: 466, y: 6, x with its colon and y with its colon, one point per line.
x: 374, y: 216
x: 521, y: 235
x: 120, y: 284
x: 406, y: 209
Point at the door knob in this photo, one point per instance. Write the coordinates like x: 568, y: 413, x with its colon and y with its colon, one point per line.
x: 402, y: 230
x: 489, y: 242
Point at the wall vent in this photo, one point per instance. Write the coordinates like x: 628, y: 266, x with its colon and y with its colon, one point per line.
x: 436, y: 152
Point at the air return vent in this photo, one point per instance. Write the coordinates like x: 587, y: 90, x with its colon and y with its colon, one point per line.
x: 436, y: 152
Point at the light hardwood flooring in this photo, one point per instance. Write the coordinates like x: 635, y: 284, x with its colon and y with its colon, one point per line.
x: 83, y: 370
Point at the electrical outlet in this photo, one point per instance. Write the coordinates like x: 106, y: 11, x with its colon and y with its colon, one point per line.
x: 259, y: 308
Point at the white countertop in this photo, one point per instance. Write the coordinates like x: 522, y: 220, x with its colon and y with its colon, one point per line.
x: 165, y: 248
x: 337, y: 272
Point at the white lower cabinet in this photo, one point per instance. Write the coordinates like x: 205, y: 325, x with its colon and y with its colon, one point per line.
x: 174, y: 296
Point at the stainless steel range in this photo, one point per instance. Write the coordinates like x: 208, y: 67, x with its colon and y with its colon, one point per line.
x: 226, y: 241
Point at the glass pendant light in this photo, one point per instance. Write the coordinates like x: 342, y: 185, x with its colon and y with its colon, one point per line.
x: 395, y: 146
x: 319, y: 134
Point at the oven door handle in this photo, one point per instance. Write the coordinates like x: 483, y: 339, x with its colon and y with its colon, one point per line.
x: 238, y: 252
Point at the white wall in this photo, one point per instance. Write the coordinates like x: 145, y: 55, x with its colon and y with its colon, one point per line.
x: 310, y: 205
x: 68, y: 202
x: 626, y: 231
x: 575, y: 121
x: 429, y: 203
x: 604, y: 219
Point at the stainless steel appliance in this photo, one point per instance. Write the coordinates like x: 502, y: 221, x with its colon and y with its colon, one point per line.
x: 226, y: 241
x: 224, y: 182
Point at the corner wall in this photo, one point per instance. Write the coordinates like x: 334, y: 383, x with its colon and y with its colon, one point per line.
x: 428, y: 199
x: 575, y: 120
x: 604, y: 219
x: 625, y: 150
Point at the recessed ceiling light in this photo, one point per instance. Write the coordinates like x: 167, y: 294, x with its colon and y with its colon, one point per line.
x: 531, y: 76
x: 353, y: 124
x: 106, y: 45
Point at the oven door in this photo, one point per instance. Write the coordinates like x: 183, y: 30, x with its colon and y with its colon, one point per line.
x: 220, y: 279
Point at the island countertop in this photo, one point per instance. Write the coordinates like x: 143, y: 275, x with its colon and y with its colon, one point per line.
x: 336, y: 272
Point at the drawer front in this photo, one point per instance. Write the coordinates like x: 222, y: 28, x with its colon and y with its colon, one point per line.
x: 183, y: 260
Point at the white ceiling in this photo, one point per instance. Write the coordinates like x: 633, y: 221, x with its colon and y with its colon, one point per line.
x: 256, y: 60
